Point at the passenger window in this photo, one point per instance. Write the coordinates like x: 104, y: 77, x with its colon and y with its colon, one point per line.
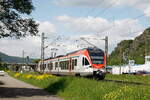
x: 56, y: 65
x: 85, y: 61
x: 75, y: 62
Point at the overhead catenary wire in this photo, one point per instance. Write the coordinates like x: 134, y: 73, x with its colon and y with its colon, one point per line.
x: 127, y: 21
x: 135, y: 18
x: 104, y: 10
x: 101, y: 2
x: 92, y: 10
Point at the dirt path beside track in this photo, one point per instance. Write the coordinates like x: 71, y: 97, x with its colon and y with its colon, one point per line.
x: 13, y: 89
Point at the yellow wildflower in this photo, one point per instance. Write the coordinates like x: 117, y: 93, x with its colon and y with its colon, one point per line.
x: 40, y: 77
x: 17, y: 74
x: 114, y: 94
x: 28, y: 76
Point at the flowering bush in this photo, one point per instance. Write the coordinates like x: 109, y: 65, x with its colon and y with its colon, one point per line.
x: 75, y: 88
x: 119, y: 92
x: 28, y: 76
x: 17, y: 74
x: 36, y: 77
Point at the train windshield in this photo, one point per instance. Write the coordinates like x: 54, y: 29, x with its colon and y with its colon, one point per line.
x: 97, y: 56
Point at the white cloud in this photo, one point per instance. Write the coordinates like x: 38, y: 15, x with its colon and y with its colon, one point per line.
x: 100, y: 27
x: 90, y: 26
x: 142, y: 5
x: 31, y: 45
x: 147, y: 12
x: 92, y: 3
x: 46, y: 27
x: 82, y: 24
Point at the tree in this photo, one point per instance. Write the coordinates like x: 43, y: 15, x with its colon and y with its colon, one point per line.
x: 11, y: 22
x: 0, y: 59
x: 36, y: 61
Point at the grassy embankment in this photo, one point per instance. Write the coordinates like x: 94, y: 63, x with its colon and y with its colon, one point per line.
x: 114, y: 87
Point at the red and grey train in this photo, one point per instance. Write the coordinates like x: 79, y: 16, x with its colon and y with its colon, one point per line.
x: 84, y: 62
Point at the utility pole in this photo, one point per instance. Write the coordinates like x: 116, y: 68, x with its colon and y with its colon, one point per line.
x: 23, y: 57
x: 106, y: 47
x: 106, y: 50
x: 42, y: 52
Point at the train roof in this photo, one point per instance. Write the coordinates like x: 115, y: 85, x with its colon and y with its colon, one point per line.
x: 89, y: 49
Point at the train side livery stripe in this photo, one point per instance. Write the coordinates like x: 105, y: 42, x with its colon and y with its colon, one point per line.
x: 76, y: 54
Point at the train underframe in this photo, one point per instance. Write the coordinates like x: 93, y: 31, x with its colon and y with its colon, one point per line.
x: 100, y: 75
x: 97, y: 74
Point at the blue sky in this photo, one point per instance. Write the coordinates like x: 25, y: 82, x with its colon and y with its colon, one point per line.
x: 91, y: 19
x: 47, y: 10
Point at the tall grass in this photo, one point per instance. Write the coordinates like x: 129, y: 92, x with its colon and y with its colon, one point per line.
x: 114, y: 87
x: 129, y: 78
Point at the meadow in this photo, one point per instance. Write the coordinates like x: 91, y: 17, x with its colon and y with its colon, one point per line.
x: 114, y: 87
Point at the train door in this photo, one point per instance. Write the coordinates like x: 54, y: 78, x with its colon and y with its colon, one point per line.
x: 46, y: 67
x: 70, y: 65
x: 57, y: 67
x: 78, y: 65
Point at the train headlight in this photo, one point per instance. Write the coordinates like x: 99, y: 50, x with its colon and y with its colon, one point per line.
x: 103, y: 70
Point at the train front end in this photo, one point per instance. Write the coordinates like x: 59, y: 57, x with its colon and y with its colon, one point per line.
x: 98, y: 62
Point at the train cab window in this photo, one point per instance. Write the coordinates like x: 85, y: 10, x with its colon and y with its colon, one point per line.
x: 85, y: 61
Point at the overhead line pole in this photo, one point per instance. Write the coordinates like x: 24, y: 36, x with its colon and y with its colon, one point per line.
x: 42, y: 52
x: 23, y: 56
x: 106, y: 50
x: 23, y: 60
x: 106, y: 47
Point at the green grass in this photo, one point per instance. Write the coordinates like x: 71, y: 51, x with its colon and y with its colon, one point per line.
x: 129, y: 78
x: 114, y: 87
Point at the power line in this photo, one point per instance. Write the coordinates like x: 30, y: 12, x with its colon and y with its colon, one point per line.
x: 101, y: 2
x: 127, y: 21
x: 105, y: 9
x: 134, y: 31
x: 111, y: 5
